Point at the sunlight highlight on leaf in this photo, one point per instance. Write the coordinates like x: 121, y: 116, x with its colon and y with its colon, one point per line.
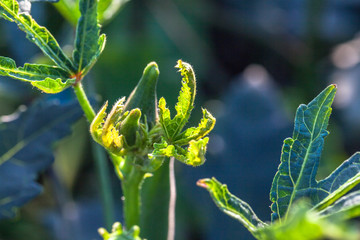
x: 9, y: 9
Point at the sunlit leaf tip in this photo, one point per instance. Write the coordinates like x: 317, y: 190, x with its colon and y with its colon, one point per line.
x: 231, y: 205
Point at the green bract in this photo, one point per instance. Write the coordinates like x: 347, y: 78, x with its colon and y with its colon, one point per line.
x: 295, y: 182
x: 126, y: 130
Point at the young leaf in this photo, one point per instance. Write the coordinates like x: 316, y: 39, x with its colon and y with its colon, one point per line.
x: 206, y: 124
x: 46, y: 78
x: 301, y: 154
x: 231, y: 205
x: 87, y: 35
x: 101, y: 46
x: 26, y: 140
x: 174, y: 139
x: 194, y: 155
x: 9, y: 10
x: 184, y: 105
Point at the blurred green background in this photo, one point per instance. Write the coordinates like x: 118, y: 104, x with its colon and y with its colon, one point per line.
x: 255, y: 61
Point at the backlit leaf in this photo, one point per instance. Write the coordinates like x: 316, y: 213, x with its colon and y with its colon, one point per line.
x: 9, y: 9
x: 184, y: 105
x: 49, y: 79
x: 87, y: 35
x: 345, y: 208
x: 301, y: 155
x: 194, y: 155
x: 206, y: 124
x: 231, y: 205
x: 26, y: 141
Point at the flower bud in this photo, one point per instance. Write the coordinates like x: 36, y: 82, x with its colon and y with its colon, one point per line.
x: 144, y: 94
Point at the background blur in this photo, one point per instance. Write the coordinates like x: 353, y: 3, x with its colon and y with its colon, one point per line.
x: 255, y: 61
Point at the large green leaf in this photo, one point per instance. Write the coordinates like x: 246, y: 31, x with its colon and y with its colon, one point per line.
x: 9, y: 9
x: 49, y: 79
x: 300, y: 156
x: 26, y: 140
x: 87, y: 35
x: 231, y: 205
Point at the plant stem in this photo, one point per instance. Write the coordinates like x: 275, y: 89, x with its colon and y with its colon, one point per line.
x: 172, y: 202
x: 100, y: 160
x: 131, y: 185
x: 84, y: 102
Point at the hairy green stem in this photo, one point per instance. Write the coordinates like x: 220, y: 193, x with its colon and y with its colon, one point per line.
x: 84, y: 102
x: 100, y: 160
x: 131, y: 186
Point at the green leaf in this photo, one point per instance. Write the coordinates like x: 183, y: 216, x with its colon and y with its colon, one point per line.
x: 300, y: 156
x: 345, y: 208
x: 101, y: 46
x: 9, y: 10
x: 206, y: 124
x: 231, y: 205
x: 49, y: 85
x: 194, y: 155
x: 118, y: 233
x: 305, y: 224
x: 87, y: 35
x: 184, y: 105
x: 340, y: 181
x: 47, y: 78
x: 26, y: 141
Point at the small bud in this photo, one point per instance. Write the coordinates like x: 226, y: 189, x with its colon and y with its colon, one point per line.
x: 130, y: 126
x: 144, y: 94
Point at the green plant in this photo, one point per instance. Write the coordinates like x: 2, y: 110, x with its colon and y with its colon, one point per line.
x: 302, y: 207
x: 138, y: 133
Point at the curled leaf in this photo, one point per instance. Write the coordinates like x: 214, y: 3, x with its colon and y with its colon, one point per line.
x: 231, y: 205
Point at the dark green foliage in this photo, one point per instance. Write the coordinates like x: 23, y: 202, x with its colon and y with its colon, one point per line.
x: 26, y: 141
